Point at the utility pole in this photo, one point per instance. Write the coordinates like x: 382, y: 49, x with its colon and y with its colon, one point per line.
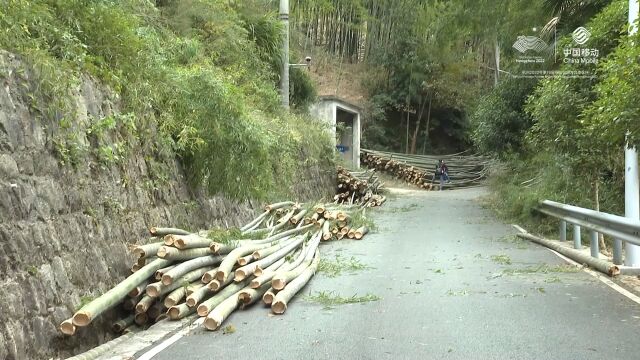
x: 631, y: 179
x: 284, y: 76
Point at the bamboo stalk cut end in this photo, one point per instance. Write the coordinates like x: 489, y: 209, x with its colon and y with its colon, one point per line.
x: 67, y: 327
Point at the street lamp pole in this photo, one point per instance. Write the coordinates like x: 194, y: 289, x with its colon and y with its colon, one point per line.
x: 631, y: 179
x: 284, y: 76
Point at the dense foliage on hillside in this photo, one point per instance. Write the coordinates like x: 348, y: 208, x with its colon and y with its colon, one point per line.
x: 446, y: 74
x: 204, y: 71
x: 569, y: 132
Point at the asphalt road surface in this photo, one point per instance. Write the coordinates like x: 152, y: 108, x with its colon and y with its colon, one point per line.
x: 453, y: 283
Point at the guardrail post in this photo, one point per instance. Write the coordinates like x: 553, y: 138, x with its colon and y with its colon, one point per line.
x: 595, y: 249
x: 577, y: 242
x: 617, y: 251
x: 563, y: 230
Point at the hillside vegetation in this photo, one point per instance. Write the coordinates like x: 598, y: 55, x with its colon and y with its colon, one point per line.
x: 205, y: 72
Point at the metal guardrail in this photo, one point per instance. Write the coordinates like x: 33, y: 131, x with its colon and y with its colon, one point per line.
x: 618, y: 227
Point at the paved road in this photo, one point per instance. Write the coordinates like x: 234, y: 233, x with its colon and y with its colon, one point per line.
x: 440, y: 264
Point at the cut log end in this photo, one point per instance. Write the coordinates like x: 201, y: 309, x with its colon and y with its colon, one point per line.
x: 169, y: 240
x: 614, y: 271
x: 244, y: 297
x: 254, y: 284
x: 213, y: 285
x: 278, y: 307
x: 240, y: 275
x: 153, y: 290
x: 81, y: 318
x: 267, y: 298
x: 179, y: 243
x: 207, y: 277
x: 278, y: 283
x: 174, y: 313
x: 162, y: 252
x: 242, y: 261
x: 191, y: 302
x: 153, y: 231
x: 215, y: 247
x: 221, y: 276
x: 141, y: 318
x: 258, y: 271
x: 203, y: 310
x: 167, y: 279
x: 169, y: 302
x: 67, y: 327
x: 212, y: 323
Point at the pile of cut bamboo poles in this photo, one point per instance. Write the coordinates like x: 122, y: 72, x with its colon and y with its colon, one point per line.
x: 213, y: 273
x: 464, y: 170
x: 362, y: 188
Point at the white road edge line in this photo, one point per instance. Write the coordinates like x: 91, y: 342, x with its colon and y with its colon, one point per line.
x: 165, y: 344
x: 631, y: 296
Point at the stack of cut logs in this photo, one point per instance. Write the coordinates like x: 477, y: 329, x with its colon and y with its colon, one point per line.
x: 362, y: 188
x: 464, y: 170
x: 213, y: 273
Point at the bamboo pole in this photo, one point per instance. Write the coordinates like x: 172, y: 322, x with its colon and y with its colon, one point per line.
x: 144, y: 304
x: 267, y: 274
x: 216, y: 316
x: 190, y: 265
x: 245, y: 271
x: 215, y: 300
x: 158, y: 289
x: 269, y: 295
x: 160, y: 231
x: 143, y: 251
x: 175, y: 296
x: 87, y: 313
x: 67, y: 327
x: 191, y: 241
x: 600, y: 265
x: 216, y: 284
x: 173, y: 254
x: 180, y: 311
x: 139, y: 289
x: 122, y: 324
x: 230, y: 260
x: 249, y: 296
x: 245, y: 260
x: 141, y: 319
x: 279, y: 303
x: 198, y: 295
x: 360, y: 232
x: 158, y: 274
x: 281, y: 278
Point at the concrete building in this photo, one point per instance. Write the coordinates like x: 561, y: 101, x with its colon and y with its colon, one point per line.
x: 344, y: 118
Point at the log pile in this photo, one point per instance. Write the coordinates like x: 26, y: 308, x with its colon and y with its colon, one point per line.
x: 464, y: 170
x: 213, y: 273
x: 362, y: 188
